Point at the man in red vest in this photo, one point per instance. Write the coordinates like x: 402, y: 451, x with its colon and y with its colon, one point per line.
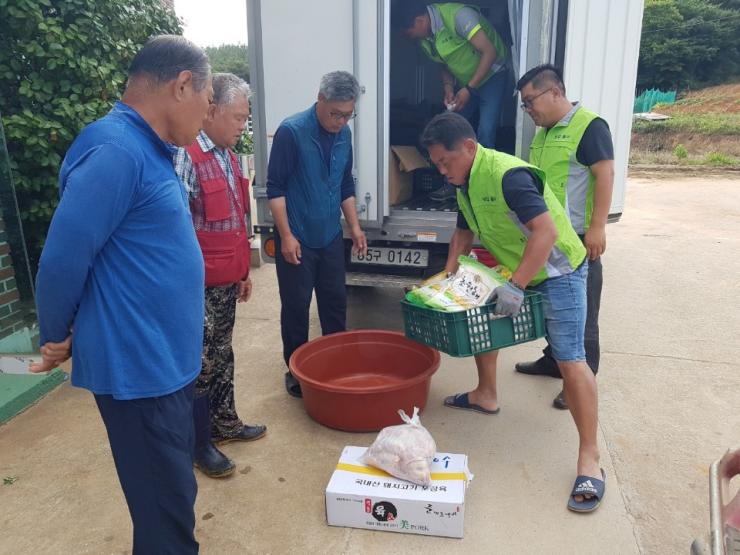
x: 219, y: 201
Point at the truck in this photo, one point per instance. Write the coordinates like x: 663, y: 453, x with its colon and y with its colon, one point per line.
x: 292, y: 44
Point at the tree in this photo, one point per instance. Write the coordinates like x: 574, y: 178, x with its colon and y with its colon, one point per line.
x: 714, y: 32
x: 689, y: 42
x: 62, y: 65
x: 229, y: 58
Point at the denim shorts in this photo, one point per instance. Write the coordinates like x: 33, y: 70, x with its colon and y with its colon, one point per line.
x: 564, y: 303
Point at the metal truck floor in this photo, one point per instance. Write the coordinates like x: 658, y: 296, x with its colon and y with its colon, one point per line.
x: 425, y: 204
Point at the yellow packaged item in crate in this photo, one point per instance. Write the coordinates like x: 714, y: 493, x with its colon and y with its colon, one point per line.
x: 471, y: 286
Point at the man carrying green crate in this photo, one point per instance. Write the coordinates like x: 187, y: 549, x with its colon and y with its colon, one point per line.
x: 508, y: 204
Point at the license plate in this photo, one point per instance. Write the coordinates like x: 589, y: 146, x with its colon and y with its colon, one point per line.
x: 385, y: 256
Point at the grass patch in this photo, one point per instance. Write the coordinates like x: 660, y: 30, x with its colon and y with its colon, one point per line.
x: 706, y: 124
x: 668, y: 158
x: 702, y: 99
x: 720, y: 159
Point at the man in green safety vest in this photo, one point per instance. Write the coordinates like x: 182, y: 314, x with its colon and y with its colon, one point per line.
x: 474, y: 57
x: 574, y: 148
x: 508, y: 204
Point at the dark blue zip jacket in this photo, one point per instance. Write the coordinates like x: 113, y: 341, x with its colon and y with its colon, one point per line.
x: 313, y: 194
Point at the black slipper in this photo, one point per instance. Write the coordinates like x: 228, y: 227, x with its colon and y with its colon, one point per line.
x: 460, y: 401
x: 587, y: 485
x: 292, y: 386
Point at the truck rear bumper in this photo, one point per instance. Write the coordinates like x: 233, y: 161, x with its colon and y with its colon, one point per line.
x: 360, y: 279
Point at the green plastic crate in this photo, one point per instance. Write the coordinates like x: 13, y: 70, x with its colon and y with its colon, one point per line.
x: 469, y: 332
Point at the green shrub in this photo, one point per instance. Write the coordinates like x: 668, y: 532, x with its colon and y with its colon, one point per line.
x: 245, y: 144
x: 720, y: 159
x: 62, y: 65
x: 680, y: 152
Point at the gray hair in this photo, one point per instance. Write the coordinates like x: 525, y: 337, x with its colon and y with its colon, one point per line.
x: 164, y: 57
x: 339, y: 85
x: 227, y: 87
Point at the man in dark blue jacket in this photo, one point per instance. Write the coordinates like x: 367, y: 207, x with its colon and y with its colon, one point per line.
x: 121, y: 278
x: 309, y: 184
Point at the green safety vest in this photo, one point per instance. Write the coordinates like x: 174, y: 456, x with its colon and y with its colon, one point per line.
x: 457, y: 53
x: 554, y: 151
x: 497, y: 225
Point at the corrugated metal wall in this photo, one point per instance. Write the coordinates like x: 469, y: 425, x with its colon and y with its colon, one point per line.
x: 602, y: 47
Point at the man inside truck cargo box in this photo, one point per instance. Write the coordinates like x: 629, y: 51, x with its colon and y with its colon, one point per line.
x: 219, y: 202
x: 507, y: 203
x: 309, y: 184
x: 574, y: 148
x: 475, y: 58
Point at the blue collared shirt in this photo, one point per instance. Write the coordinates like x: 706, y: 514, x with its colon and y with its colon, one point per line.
x: 121, y: 267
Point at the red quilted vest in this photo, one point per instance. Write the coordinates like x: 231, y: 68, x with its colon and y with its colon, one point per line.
x: 219, y: 218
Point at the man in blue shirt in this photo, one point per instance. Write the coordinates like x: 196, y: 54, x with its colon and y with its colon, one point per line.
x: 309, y: 180
x: 121, y: 276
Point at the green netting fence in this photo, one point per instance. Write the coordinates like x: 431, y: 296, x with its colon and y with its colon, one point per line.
x: 651, y: 97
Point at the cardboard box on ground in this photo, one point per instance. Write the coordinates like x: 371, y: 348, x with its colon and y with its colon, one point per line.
x: 403, y: 160
x: 360, y: 496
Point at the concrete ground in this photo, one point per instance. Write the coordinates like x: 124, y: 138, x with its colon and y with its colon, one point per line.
x: 670, y: 400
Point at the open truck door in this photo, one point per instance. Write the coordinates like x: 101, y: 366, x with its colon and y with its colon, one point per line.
x: 292, y: 44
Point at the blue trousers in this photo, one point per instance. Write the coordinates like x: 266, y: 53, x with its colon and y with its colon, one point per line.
x: 322, y: 270
x: 152, y: 443
x: 488, y: 105
x: 564, y: 304
x: 591, y: 342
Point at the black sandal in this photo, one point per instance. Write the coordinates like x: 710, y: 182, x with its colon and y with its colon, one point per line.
x: 292, y: 386
x: 587, y: 485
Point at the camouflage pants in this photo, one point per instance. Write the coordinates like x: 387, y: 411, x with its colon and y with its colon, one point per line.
x: 216, y: 377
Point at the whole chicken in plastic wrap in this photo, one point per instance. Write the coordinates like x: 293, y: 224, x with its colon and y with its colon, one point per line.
x: 404, y: 451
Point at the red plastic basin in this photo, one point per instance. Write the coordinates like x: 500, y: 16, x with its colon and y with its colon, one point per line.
x: 357, y: 380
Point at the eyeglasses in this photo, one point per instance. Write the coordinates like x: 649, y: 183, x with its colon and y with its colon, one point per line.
x: 527, y: 104
x: 339, y: 116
